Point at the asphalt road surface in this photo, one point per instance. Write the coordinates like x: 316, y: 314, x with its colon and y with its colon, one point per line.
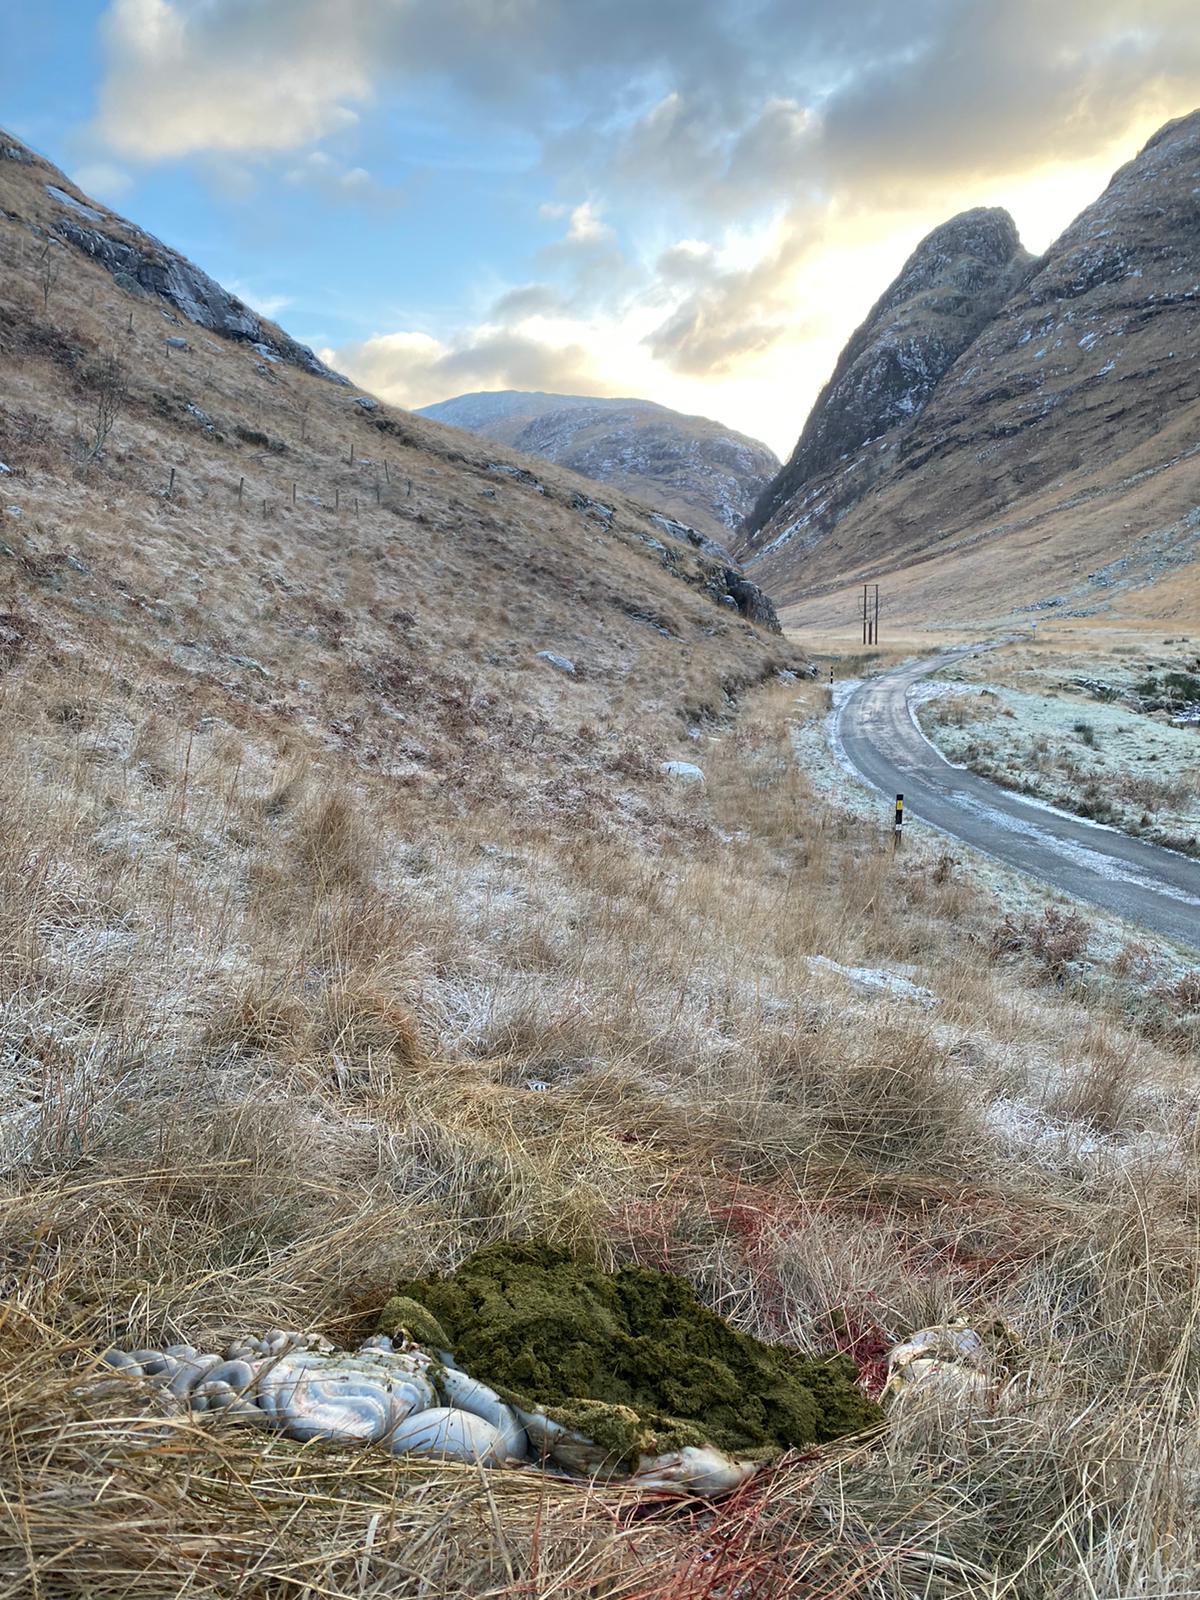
x: 1156, y: 888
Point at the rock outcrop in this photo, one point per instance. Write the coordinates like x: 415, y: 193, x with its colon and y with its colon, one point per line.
x: 687, y: 467
x: 142, y: 264
x: 948, y: 290
x: 1064, y: 430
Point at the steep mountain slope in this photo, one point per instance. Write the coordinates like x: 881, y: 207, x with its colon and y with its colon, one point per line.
x: 689, y: 467
x: 190, y: 491
x: 947, y: 292
x: 1054, y: 461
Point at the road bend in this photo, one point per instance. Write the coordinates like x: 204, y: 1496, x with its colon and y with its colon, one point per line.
x: 1156, y: 888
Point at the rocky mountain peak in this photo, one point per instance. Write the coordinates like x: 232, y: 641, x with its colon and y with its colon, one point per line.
x: 1144, y: 226
x: 1078, y: 393
x: 142, y: 265
x: 946, y: 292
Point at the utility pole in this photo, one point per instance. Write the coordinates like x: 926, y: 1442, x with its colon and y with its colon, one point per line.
x: 870, y: 613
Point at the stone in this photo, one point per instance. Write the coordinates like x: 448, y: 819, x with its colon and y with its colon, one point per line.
x: 560, y: 663
x: 681, y: 771
x: 69, y: 200
x: 366, y: 402
x: 681, y: 532
x: 750, y: 600
x: 517, y: 474
x: 174, y: 342
x: 4, y: 468
x: 592, y: 508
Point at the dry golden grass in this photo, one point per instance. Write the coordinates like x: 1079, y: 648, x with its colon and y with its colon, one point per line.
x: 254, y: 1083
x: 281, y: 955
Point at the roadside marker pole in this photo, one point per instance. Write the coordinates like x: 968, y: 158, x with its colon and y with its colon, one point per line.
x: 898, y: 828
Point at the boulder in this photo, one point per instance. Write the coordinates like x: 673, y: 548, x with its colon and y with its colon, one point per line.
x: 750, y: 600
x: 591, y: 508
x: 561, y: 663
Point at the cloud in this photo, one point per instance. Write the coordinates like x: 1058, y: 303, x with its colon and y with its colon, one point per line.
x: 726, y: 314
x: 995, y: 89
x: 718, y: 106
x: 752, y: 131
x: 102, y: 180
x: 414, y: 369
x: 337, y: 182
x: 529, y: 300
x: 230, y: 76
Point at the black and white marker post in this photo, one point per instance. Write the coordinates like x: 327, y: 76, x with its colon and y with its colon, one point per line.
x: 898, y: 828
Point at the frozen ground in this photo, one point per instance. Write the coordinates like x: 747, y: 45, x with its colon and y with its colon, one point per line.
x: 1080, y: 735
x: 820, y: 756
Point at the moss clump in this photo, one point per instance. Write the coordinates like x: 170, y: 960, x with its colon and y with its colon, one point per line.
x: 412, y: 1321
x: 552, y: 1332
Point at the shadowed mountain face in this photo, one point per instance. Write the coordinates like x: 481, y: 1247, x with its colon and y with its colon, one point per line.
x: 948, y: 290
x: 1061, y: 426
x: 689, y: 467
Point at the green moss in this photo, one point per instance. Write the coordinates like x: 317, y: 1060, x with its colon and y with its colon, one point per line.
x: 632, y: 1358
x: 414, y: 1322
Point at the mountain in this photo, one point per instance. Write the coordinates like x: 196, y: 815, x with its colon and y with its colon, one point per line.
x: 688, y: 467
x: 1049, y: 459
x: 947, y: 292
x: 185, y: 489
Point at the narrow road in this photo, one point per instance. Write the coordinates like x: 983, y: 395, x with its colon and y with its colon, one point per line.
x: 1157, y: 888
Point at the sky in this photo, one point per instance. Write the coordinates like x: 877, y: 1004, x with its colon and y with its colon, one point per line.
x: 689, y: 201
